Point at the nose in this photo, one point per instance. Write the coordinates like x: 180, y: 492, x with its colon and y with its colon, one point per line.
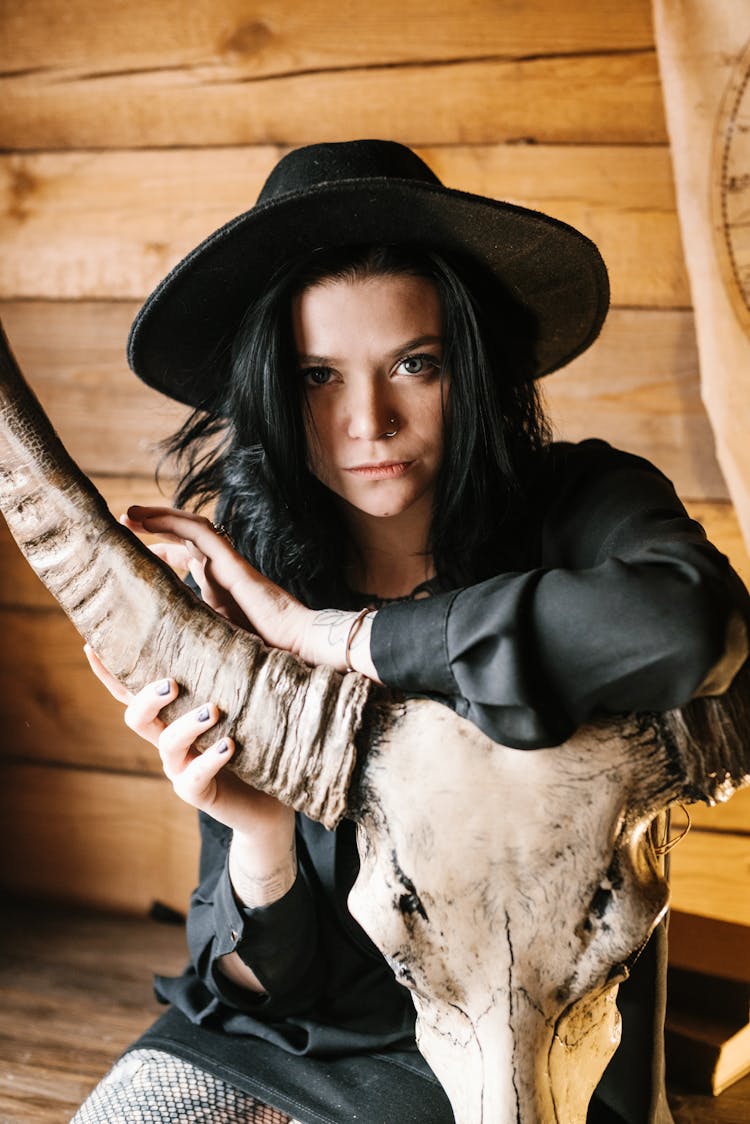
x: 370, y: 413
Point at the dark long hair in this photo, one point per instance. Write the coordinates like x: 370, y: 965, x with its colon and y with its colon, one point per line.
x: 246, y: 446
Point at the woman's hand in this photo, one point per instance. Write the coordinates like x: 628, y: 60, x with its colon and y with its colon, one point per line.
x: 262, y: 862
x: 236, y: 590
x: 228, y: 583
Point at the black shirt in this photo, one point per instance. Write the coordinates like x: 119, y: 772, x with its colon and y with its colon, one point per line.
x: 624, y: 605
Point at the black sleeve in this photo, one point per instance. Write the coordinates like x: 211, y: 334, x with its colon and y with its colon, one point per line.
x: 278, y: 942
x: 630, y: 608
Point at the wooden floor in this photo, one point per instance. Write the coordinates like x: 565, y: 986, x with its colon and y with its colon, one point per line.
x: 75, y: 988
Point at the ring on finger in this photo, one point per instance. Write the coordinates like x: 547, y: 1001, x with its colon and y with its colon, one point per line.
x: 220, y: 530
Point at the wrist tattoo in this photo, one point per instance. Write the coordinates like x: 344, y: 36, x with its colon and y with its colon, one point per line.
x: 262, y: 889
x: 336, y: 623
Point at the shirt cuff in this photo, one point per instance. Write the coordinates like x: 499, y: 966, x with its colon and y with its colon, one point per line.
x: 408, y: 645
x: 276, y: 941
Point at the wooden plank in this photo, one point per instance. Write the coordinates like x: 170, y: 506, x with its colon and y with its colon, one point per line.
x: 710, y: 919
x: 638, y: 388
x: 55, y: 710
x: 75, y: 990
x: 110, y: 224
x: 252, y: 38
x: 734, y: 816
x: 544, y: 99
x: 709, y: 945
x: 107, y: 840
x: 73, y: 354
x: 710, y: 876
x: 689, y: 1107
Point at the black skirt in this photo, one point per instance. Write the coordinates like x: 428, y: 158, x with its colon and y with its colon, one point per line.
x: 386, y: 1087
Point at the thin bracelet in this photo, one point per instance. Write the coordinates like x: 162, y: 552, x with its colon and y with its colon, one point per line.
x: 354, y: 628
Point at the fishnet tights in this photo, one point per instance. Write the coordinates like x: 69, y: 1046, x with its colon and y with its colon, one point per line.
x: 152, y: 1087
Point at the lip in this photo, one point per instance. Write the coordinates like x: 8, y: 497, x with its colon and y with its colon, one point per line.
x: 382, y: 470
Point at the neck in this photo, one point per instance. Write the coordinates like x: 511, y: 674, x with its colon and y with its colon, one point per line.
x: 390, y: 554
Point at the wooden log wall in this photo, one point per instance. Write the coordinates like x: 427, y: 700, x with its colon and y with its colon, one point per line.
x: 127, y: 133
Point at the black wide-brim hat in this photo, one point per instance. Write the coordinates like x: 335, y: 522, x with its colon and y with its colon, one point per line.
x: 360, y: 193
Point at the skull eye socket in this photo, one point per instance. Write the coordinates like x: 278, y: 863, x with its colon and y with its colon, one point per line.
x: 409, y: 902
x: 601, y: 902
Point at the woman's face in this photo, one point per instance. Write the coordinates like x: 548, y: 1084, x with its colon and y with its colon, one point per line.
x: 370, y: 355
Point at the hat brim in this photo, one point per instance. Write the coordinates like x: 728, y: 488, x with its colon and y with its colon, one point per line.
x: 551, y: 268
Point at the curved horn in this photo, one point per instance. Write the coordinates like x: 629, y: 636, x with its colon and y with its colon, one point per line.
x: 295, y: 727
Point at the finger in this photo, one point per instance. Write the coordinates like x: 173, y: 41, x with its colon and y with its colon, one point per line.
x: 176, y: 740
x: 137, y: 512
x: 142, y: 713
x: 187, y: 527
x: 183, y: 524
x: 138, y: 528
x: 176, y: 555
x: 197, y: 568
x: 196, y: 784
x: 114, y: 686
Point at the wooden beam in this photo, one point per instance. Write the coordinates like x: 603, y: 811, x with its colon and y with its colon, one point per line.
x: 639, y: 389
x: 106, y: 840
x: 710, y: 875
x: 252, y: 38
x: 55, y: 710
x: 545, y: 99
x: 708, y: 945
x: 73, y: 354
x: 110, y: 224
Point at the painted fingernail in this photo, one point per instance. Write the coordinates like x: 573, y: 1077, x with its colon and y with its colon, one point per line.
x: 164, y: 687
x: 223, y: 747
x: 203, y: 714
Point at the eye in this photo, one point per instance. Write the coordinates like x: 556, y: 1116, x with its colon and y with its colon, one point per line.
x: 419, y: 364
x: 316, y: 376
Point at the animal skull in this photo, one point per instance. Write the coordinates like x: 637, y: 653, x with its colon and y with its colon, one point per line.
x: 508, y: 890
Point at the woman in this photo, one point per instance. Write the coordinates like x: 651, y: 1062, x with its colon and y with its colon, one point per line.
x: 360, y: 349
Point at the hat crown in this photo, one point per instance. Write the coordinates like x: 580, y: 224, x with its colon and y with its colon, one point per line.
x: 307, y: 168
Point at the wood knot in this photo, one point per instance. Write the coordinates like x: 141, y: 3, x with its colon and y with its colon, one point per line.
x: 21, y: 186
x: 248, y: 39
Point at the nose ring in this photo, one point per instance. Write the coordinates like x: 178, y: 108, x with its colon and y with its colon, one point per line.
x: 392, y: 432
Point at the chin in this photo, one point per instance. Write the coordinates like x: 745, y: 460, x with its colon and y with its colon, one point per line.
x: 382, y: 508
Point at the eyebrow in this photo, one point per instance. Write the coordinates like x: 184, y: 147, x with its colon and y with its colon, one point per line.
x: 402, y: 349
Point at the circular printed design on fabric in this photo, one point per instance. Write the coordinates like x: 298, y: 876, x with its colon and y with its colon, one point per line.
x: 732, y: 189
